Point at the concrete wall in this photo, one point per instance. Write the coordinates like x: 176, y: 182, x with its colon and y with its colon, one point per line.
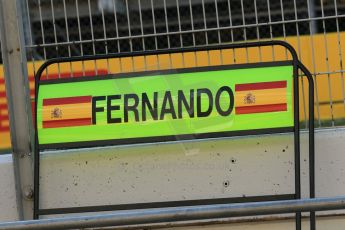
x: 8, y: 205
x: 217, y: 168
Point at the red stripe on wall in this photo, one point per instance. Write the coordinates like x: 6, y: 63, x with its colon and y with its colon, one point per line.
x: 261, y: 108
x: 89, y: 73
x: 66, y: 100
x: 4, y: 129
x: 32, y: 92
x: 3, y: 118
x: 260, y: 85
x: 67, y: 123
x: 66, y: 75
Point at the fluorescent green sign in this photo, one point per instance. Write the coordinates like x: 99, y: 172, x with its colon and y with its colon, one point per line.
x: 164, y: 106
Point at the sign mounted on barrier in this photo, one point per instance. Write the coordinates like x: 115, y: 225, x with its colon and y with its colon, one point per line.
x: 169, y: 105
x: 166, y: 105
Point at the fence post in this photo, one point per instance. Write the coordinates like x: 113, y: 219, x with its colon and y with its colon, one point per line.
x: 19, y: 106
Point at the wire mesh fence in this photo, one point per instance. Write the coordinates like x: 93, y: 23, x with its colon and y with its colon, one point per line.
x: 73, y: 28
x: 64, y: 28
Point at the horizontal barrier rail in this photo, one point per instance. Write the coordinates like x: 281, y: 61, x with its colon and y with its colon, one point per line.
x: 159, y: 215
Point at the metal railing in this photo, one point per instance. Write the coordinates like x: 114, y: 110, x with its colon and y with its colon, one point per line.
x: 177, y: 214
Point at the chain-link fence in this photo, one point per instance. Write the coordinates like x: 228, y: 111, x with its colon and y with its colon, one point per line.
x: 72, y: 27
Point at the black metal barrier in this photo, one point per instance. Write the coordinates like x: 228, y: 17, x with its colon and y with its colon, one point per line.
x: 297, y: 65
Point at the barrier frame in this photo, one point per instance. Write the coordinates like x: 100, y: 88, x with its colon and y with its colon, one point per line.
x: 296, y: 131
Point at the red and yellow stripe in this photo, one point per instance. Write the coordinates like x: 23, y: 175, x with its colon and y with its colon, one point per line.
x: 261, y: 97
x: 67, y: 112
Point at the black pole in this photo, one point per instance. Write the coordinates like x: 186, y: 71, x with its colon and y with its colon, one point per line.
x: 311, y: 141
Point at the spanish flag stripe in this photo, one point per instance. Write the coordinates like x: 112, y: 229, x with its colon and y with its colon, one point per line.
x: 66, y: 100
x: 261, y: 108
x: 260, y: 85
x: 67, y: 123
x: 68, y: 111
x: 261, y: 97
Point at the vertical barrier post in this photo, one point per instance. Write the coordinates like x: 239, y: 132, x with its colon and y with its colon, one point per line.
x: 19, y: 106
x: 311, y: 141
